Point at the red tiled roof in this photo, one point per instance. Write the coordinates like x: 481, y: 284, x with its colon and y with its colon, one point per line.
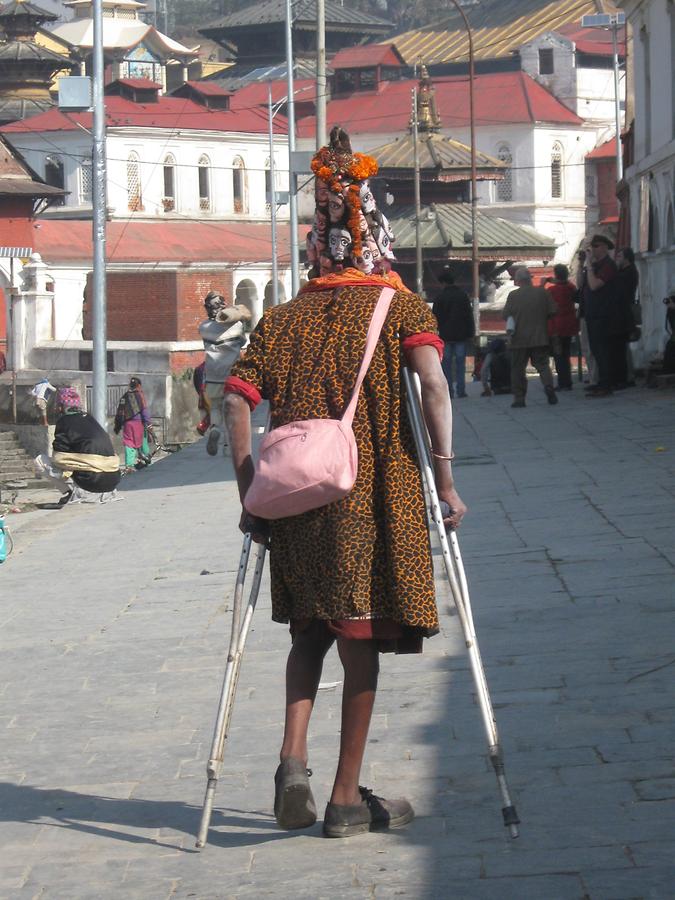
x: 208, y: 89
x: 604, y: 151
x: 255, y: 93
x: 168, y: 112
x: 143, y: 84
x: 501, y: 98
x: 61, y: 241
x: 369, y: 55
x: 597, y: 41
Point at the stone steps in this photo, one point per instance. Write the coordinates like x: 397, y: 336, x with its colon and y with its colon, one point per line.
x: 15, y: 464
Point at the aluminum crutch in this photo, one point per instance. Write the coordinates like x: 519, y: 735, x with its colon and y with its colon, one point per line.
x: 454, y: 569
x: 238, y: 635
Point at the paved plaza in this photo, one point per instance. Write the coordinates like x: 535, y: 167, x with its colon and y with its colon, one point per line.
x: 114, y: 622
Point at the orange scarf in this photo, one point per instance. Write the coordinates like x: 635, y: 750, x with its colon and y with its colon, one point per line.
x: 353, y: 278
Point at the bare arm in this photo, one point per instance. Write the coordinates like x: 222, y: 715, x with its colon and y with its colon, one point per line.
x: 238, y: 424
x: 437, y: 411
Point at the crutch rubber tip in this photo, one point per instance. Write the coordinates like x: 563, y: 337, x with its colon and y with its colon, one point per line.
x: 510, y: 816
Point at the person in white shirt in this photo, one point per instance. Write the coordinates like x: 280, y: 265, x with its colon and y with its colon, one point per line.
x: 224, y: 335
x: 41, y: 393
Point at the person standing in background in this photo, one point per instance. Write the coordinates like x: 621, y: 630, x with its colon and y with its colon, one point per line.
x: 622, y: 320
x: 133, y: 420
x: 531, y: 308
x: 454, y: 314
x: 41, y: 392
x: 598, y: 296
x: 563, y: 326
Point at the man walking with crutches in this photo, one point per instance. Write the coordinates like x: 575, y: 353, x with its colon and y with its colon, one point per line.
x: 357, y: 571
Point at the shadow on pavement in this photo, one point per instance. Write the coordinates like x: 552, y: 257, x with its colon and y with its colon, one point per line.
x: 82, y: 812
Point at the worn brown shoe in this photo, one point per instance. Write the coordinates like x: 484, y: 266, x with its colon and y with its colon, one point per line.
x: 294, y: 805
x: 372, y: 814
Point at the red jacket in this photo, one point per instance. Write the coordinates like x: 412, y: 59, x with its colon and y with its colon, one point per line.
x: 565, y: 323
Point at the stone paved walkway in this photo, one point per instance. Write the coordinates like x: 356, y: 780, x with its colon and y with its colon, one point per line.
x: 113, y: 628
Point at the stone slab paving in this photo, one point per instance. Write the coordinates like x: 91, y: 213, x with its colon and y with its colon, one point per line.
x: 114, y: 624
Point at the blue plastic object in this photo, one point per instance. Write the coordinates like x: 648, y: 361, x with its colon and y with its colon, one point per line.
x: 3, y: 541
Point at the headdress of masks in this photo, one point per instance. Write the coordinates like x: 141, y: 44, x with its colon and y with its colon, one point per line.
x: 348, y: 229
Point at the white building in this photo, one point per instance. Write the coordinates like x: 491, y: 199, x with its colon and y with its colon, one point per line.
x: 186, y: 158
x: 651, y: 173
x: 541, y: 139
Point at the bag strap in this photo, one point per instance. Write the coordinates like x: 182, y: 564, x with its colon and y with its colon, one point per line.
x: 374, y: 329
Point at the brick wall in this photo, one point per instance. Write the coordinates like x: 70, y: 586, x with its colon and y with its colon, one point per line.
x: 16, y: 224
x: 191, y: 289
x: 157, y: 306
x: 185, y: 359
x: 141, y: 306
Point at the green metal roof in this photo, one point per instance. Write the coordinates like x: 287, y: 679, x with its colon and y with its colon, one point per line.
x: 446, y: 234
x: 438, y: 156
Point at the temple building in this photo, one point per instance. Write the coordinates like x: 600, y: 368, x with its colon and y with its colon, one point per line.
x: 255, y: 36
x: 27, y: 69
x: 133, y: 48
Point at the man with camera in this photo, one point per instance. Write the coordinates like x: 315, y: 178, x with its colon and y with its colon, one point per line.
x: 599, y: 272
x: 224, y: 335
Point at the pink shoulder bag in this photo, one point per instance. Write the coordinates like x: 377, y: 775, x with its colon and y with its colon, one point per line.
x: 311, y: 463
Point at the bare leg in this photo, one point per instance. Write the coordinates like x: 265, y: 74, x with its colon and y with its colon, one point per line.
x: 361, y: 667
x: 303, y: 673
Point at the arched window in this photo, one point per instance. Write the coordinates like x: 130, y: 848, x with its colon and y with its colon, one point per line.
x: 134, y: 193
x: 204, y: 174
x: 54, y: 175
x: 557, y: 171
x: 505, y: 186
x: 169, y: 171
x: 239, y: 192
x: 85, y: 181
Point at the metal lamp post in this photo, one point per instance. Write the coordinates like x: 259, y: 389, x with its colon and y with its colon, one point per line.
x: 292, y: 178
x: 474, y: 195
x: 613, y: 21
x: 99, y: 323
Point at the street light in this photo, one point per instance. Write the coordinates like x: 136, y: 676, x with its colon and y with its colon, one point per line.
x: 474, y: 196
x: 292, y: 178
x: 271, y: 113
x: 98, y: 202
x: 613, y: 21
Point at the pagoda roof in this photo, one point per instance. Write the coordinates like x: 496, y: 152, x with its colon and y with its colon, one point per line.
x: 440, y: 158
x: 28, y: 51
x: 17, y: 177
x: 25, y: 10
x: 343, y: 18
x: 499, y: 28
x: 446, y: 234
x: 120, y: 34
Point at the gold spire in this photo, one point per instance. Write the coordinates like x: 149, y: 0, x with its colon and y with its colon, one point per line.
x: 428, y: 118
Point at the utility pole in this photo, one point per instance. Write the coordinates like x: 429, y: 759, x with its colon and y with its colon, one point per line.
x: 419, y: 276
x: 320, y: 74
x: 292, y: 177
x: 617, y: 103
x: 273, y: 200
x: 99, y: 315
x: 613, y: 21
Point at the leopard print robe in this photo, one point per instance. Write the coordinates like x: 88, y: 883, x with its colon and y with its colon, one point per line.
x: 367, y: 555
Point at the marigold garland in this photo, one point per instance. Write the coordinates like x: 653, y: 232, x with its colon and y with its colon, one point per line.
x: 344, y: 172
